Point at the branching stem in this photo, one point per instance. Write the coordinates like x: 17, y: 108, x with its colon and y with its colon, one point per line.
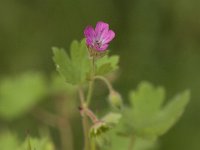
x: 110, y: 88
x: 84, y: 121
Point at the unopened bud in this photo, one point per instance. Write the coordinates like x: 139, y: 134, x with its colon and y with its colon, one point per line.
x: 115, y: 100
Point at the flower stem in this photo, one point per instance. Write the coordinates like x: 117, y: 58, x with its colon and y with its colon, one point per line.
x: 91, y: 115
x: 110, y: 88
x: 89, y: 95
x: 90, y: 89
x: 93, y: 66
x: 86, y: 133
x: 84, y: 121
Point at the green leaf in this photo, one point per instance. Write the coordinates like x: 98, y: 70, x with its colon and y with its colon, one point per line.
x: 146, y: 101
x: 8, y: 141
x: 112, y: 118
x: 37, y: 144
x: 98, y: 131
x: 148, y: 117
x: 58, y: 85
x: 107, y: 64
x: 121, y: 142
x: 169, y: 115
x: 18, y: 95
x: 75, y: 68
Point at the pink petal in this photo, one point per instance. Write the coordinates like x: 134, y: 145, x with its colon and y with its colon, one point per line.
x: 89, y: 32
x: 89, y: 41
x: 101, y: 28
x: 108, y: 37
x: 102, y: 48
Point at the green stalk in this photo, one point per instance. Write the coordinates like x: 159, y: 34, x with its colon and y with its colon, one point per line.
x: 86, y: 133
x: 90, y: 88
x: 89, y: 95
x: 84, y: 121
x: 110, y: 88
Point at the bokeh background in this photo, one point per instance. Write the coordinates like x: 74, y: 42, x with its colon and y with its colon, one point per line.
x: 158, y: 41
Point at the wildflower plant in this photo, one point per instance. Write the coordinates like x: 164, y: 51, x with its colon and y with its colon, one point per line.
x: 135, y: 126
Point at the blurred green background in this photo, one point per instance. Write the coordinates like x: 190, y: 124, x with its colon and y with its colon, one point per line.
x: 158, y: 41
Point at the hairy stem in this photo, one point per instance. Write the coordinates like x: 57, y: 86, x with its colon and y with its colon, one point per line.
x: 86, y: 111
x: 84, y: 121
x: 91, y: 115
x: 90, y: 88
x: 105, y: 81
x: 86, y: 133
x: 89, y: 95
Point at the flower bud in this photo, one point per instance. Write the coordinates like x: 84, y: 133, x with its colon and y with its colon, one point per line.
x: 115, y: 100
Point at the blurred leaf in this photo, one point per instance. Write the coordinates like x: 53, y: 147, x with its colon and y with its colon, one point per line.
x: 121, y: 142
x: 62, y: 90
x: 58, y: 85
x: 147, y: 100
x: 37, y: 144
x: 143, y: 144
x: 19, y: 95
x: 74, y: 69
x: 98, y: 131
x: 148, y: 117
x: 107, y: 64
x: 112, y: 118
x: 8, y: 141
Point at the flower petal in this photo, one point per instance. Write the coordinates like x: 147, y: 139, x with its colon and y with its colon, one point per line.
x: 102, y: 48
x: 109, y: 37
x: 89, y: 32
x: 101, y: 26
x: 89, y: 41
x: 101, y: 29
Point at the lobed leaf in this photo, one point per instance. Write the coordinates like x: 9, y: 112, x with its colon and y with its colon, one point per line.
x: 149, y: 118
x: 75, y: 68
x: 112, y: 119
x: 107, y: 64
x: 121, y: 142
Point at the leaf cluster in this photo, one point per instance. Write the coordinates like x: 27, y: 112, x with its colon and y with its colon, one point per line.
x: 76, y: 68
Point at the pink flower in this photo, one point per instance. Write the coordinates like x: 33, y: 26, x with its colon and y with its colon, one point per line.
x: 100, y: 37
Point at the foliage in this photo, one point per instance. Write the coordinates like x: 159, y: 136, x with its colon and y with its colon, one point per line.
x: 75, y: 68
x: 136, y: 126
x: 107, y: 64
x: 10, y: 141
x: 147, y: 118
x: 18, y: 95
